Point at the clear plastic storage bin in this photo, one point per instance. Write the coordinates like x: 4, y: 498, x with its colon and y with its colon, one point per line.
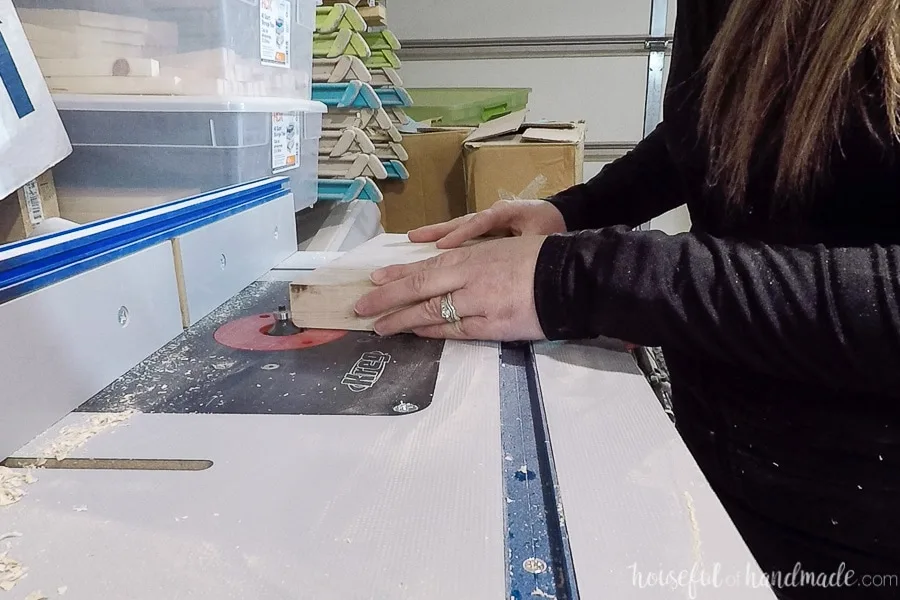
x: 145, y: 149
x: 173, y: 47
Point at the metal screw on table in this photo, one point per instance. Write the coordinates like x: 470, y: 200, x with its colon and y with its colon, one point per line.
x: 534, y: 565
x: 123, y: 316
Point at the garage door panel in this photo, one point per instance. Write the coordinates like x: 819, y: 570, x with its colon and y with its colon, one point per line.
x: 607, y: 92
x: 670, y: 19
x: 460, y: 19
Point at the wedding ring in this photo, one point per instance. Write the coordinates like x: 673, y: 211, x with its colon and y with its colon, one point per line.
x: 448, y: 311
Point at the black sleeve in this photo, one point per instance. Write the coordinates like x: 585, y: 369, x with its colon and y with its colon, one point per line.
x: 641, y: 185
x: 820, y: 314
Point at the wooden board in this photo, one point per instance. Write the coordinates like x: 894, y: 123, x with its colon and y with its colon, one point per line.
x: 81, y: 18
x: 324, y: 298
x: 99, y: 67
x: 45, y: 48
x: 375, y: 16
x: 84, y: 205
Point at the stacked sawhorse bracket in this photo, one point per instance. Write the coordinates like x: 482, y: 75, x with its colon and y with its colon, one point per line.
x: 355, y: 74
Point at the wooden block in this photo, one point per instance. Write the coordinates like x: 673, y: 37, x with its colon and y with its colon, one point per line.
x: 374, y: 16
x: 99, y: 67
x: 325, y: 298
x: 84, y: 49
x: 73, y: 18
x: 218, y: 63
x: 77, y: 33
x: 84, y: 205
x: 155, y: 86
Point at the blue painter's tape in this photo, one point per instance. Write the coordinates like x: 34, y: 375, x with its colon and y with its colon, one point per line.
x: 95, y: 239
x: 34, y: 270
x: 77, y: 264
x: 12, y: 80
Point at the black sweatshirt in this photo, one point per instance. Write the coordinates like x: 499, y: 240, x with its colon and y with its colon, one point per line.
x: 781, y: 329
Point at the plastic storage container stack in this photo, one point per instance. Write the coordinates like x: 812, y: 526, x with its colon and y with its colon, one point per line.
x: 355, y: 73
x: 166, y: 98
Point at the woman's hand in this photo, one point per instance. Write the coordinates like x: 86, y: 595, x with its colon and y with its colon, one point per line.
x: 491, y: 286
x: 505, y: 218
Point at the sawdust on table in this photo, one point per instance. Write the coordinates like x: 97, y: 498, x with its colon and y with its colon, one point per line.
x: 36, y: 596
x: 11, y: 571
x: 12, y: 485
x: 72, y: 437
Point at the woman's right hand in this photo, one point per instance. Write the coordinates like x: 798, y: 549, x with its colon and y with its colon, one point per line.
x: 505, y: 218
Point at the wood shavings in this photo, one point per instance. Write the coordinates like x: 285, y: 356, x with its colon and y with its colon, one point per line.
x: 11, y: 571
x: 36, y: 596
x: 695, y: 529
x: 72, y: 437
x: 12, y: 484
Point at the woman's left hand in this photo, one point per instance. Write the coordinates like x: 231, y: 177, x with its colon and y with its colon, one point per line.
x: 491, y: 286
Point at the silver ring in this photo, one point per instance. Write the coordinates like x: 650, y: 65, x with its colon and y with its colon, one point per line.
x: 448, y: 311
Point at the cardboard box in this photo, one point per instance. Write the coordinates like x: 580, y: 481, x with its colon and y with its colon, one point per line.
x: 23, y: 210
x: 435, y: 191
x: 508, y: 158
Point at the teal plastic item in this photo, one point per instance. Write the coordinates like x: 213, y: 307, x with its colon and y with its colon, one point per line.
x: 353, y: 94
x: 348, y: 190
x: 465, y: 106
x: 395, y: 169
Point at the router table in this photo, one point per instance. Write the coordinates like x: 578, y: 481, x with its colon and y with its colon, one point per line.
x: 244, y: 459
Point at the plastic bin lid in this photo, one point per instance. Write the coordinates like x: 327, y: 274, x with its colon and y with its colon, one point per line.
x: 186, y: 104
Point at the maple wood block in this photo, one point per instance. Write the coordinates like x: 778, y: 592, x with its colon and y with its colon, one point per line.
x: 325, y: 298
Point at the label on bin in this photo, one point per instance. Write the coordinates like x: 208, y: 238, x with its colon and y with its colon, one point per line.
x: 275, y: 32
x: 32, y: 195
x: 285, y: 141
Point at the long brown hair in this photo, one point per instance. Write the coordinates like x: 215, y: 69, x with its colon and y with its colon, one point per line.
x: 796, y: 68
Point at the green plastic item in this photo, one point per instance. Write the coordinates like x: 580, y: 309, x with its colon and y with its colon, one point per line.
x: 381, y: 40
x: 382, y: 59
x: 339, y: 43
x: 465, y: 106
x: 338, y: 16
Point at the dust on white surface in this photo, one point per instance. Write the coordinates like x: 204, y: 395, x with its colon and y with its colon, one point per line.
x: 36, y: 596
x: 695, y: 529
x: 12, y: 485
x: 11, y: 571
x: 72, y: 437
x: 80, y: 508
x: 61, y: 590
